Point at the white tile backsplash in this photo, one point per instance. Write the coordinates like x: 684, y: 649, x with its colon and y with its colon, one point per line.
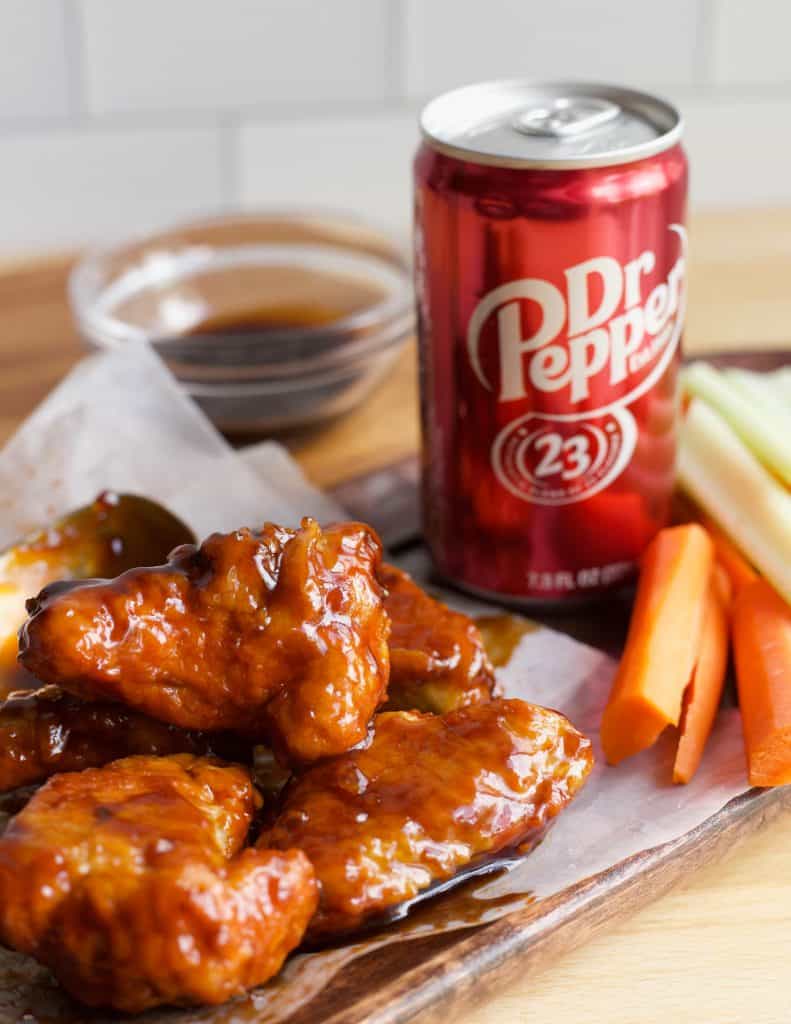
x: 182, y: 54
x: 33, y: 73
x: 451, y: 42
x: 360, y: 164
x: 62, y: 188
x: 751, y: 42
x: 116, y: 115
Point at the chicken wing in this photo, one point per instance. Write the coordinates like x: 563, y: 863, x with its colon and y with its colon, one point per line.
x: 112, y: 534
x: 278, y: 635
x: 128, y: 883
x: 47, y: 731
x: 428, y: 796
x: 437, y: 659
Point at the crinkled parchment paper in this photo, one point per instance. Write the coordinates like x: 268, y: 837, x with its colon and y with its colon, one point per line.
x: 119, y: 421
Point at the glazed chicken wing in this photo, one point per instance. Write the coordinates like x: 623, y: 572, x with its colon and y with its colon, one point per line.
x: 437, y: 659
x: 278, y: 635
x: 112, y: 534
x: 47, y: 731
x: 428, y: 796
x: 128, y: 883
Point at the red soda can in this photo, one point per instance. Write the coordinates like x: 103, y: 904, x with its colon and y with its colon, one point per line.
x: 550, y: 255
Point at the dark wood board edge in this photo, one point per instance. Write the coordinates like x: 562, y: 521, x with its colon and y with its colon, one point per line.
x: 523, y: 942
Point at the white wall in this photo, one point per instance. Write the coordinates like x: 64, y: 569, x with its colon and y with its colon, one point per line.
x: 116, y: 115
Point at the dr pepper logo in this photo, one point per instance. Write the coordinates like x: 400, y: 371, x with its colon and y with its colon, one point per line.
x: 601, y: 329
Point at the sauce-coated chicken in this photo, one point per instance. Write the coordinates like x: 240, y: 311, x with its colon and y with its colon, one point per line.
x: 128, y: 882
x: 437, y: 659
x: 279, y: 635
x: 47, y: 731
x: 112, y: 534
x: 428, y: 796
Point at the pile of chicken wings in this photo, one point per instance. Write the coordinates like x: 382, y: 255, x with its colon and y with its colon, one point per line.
x: 153, y: 864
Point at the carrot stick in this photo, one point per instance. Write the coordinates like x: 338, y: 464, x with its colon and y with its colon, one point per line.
x: 722, y: 581
x: 663, y: 641
x: 762, y: 645
x: 730, y: 558
x: 684, y: 510
x: 702, y: 697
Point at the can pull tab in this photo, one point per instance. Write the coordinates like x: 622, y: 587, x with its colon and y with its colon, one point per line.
x: 566, y: 117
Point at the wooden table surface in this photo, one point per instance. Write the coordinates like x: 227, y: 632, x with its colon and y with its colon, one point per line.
x: 716, y: 950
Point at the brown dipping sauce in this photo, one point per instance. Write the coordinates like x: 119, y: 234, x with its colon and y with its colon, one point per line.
x: 286, y: 298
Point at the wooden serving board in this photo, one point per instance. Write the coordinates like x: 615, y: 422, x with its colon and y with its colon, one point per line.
x: 430, y: 975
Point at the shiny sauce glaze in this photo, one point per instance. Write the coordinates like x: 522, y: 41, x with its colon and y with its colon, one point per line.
x: 279, y: 635
x: 438, y: 661
x: 459, y: 902
x: 134, y: 885
x: 305, y: 989
x: 46, y: 731
x: 425, y: 799
x: 112, y: 534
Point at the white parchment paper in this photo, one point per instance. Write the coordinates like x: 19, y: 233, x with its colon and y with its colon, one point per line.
x: 119, y: 421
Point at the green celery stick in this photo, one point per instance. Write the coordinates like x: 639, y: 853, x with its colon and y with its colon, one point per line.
x: 753, y: 421
x: 759, y: 390
x: 722, y: 475
x: 781, y: 385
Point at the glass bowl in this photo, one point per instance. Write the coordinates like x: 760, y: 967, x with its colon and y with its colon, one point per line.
x: 268, y: 320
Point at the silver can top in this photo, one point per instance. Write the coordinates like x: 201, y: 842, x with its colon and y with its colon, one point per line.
x: 518, y: 123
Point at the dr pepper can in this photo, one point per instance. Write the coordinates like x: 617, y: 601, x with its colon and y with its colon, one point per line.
x: 550, y: 254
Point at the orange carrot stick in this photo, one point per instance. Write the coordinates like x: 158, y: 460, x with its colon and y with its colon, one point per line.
x: 684, y: 510
x: 663, y: 641
x: 730, y: 558
x: 702, y: 697
x: 762, y: 646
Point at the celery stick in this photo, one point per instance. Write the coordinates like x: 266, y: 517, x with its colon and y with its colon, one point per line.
x: 781, y: 384
x: 720, y: 473
x: 754, y: 422
x: 760, y: 390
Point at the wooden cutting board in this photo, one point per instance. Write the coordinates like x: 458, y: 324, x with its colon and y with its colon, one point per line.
x: 433, y: 977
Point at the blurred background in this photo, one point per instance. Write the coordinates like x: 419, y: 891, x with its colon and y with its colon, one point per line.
x: 119, y: 116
